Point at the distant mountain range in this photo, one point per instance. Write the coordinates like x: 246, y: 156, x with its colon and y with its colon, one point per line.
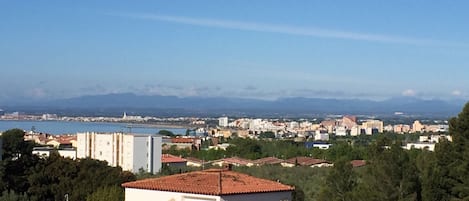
x: 220, y: 105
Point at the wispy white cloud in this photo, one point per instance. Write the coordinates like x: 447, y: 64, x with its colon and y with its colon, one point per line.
x: 291, y: 30
x: 456, y: 93
x: 409, y: 92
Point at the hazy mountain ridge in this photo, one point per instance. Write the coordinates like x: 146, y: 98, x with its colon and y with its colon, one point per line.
x: 284, y: 105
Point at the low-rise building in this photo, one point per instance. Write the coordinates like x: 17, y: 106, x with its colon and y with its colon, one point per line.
x: 169, y: 160
x: 208, y: 185
x: 234, y: 161
x: 422, y: 145
x: 306, y: 161
x: 268, y: 161
x: 195, y: 162
x: 46, y: 152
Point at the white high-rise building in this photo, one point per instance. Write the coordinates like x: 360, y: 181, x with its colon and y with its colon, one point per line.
x: 132, y: 152
x: 223, y: 121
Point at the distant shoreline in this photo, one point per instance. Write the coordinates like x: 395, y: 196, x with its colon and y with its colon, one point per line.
x: 125, y: 124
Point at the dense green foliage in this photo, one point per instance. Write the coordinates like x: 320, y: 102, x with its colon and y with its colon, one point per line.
x: 107, y: 193
x: 166, y: 133
x: 12, y: 196
x: 25, y: 176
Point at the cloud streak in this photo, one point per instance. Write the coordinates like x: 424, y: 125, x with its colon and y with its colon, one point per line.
x: 285, y: 29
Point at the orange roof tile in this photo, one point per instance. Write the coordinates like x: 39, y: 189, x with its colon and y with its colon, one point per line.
x: 182, y: 140
x: 268, y: 160
x: 358, y: 163
x: 210, y: 182
x: 168, y: 158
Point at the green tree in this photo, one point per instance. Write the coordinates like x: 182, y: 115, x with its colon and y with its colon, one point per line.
x: 390, y: 175
x: 267, y: 134
x: 437, y: 182
x: 447, y: 178
x: 12, y: 196
x: 166, y: 133
x: 14, y: 145
x: 340, y: 182
x: 93, y: 174
x: 17, y: 159
x: 52, y: 178
x: 108, y: 193
x: 459, y: 169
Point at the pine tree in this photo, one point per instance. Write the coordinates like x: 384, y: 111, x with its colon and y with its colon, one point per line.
x: 340, y: 183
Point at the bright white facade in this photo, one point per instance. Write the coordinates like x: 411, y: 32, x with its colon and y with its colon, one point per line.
x: 427, y: 146
x: 320, y: 136
x: 132, y: 194
x: 66, y: 153
x: 129, y: 151
x: 223, y: 121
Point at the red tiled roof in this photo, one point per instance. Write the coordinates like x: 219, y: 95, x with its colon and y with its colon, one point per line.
x: 168, y: 158
x: 358, y: 163
x: 210, y: 182
x: 182, y: 140
x: 236, y: 161
x: 268, y: 160
x: 305, y: 161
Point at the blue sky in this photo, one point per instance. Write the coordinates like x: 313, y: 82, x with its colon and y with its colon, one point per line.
x: 254, y: 49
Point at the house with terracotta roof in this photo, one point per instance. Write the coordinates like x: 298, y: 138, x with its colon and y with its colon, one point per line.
x: 182, y: 143
x: 173, y: 161
x: 195, y: 162
x: 268, y: 161
x: 358, y: 163
x: 235, y: 161
x: 208, y: 185
x: 306, y: 161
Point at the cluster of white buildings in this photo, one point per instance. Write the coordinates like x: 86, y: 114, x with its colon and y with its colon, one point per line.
x: 344, y: 126
x: 417, y: 127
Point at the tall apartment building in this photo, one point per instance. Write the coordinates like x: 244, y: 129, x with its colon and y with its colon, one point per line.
x: 373, y: 124
x: 129, y: 151
x: 223, y: 121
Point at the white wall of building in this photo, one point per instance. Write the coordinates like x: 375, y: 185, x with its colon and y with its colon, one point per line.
x: 132, y: 194
x: 129, y: 151
x: 72, y: 154
x: 428, y: 146
x: 340, y: 131
x: 223, y: 121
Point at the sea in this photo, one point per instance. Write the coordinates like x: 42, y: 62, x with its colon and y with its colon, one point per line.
x: 70, y: 127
